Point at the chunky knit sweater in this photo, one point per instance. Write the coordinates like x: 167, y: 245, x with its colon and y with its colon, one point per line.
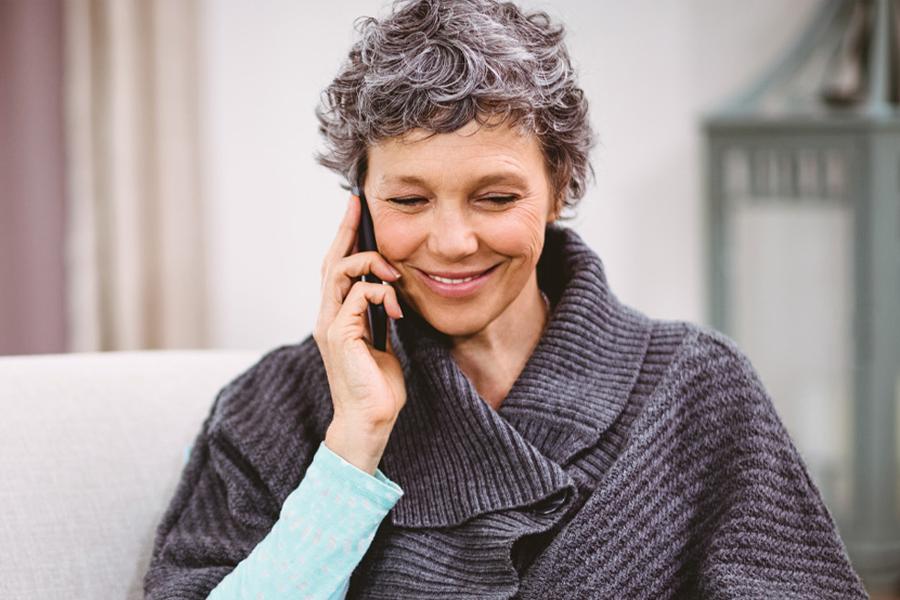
x: 632, y: 458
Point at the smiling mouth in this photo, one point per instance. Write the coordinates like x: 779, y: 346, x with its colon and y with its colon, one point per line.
x: 456, y: 287
x: 453, y: 281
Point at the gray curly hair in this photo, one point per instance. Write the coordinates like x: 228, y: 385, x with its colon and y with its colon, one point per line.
x: 439, y: 64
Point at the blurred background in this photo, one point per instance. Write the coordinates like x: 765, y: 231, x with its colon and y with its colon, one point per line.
x: 158, y: 191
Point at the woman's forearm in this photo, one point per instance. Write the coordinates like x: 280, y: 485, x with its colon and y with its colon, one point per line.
x: 325, y: 528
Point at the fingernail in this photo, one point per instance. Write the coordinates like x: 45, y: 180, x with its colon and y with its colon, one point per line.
x: 396, y: 272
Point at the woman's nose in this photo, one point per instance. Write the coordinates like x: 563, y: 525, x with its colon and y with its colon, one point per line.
x: 452, y: 237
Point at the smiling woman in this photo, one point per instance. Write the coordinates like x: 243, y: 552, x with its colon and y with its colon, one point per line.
x: 538, y: 438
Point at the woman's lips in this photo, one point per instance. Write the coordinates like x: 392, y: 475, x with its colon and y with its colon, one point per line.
x: 456, y: 290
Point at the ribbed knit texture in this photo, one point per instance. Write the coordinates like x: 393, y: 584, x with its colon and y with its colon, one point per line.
x: 633, y: 458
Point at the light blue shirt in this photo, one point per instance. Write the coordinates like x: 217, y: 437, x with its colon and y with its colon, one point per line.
x: 325, y: 527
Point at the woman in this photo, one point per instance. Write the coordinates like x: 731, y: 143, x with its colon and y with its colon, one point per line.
x: 536, y: 437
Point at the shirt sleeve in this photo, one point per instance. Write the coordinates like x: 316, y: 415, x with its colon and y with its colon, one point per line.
x: 324, y: 529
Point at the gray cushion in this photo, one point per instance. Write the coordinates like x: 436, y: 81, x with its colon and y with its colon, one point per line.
x: 91, y: 448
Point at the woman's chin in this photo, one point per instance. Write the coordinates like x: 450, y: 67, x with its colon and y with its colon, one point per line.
x: 456, y: 323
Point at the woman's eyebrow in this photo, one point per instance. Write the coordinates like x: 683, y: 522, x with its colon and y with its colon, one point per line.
x: 487, y: 179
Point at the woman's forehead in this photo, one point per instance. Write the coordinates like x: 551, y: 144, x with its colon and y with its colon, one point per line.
x: 468, y: 144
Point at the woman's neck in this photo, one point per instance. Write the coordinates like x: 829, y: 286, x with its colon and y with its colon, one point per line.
x: 494, y: 358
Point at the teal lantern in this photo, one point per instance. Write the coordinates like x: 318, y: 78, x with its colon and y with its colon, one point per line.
x: 804, y: 223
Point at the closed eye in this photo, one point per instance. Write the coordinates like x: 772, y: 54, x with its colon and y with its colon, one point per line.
x: 412, y: 200
x: 500, y: 199
x: 405, y: 201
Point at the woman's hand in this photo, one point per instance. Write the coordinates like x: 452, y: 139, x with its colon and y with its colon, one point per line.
x: 367, y: 385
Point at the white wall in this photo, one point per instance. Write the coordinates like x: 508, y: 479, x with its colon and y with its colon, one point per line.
x: 649, y: 68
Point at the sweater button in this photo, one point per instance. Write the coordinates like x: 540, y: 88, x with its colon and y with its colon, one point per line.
x: 553, y: 504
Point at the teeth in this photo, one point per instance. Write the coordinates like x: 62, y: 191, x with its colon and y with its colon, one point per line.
x: 446, y: 280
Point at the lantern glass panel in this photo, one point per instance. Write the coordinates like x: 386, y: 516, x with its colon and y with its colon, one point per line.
x: 791, y: 301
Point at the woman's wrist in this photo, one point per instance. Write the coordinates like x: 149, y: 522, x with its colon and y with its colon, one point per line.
x: 361, y: 445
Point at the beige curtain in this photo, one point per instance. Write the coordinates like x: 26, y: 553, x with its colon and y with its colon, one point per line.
x: 135, y: 238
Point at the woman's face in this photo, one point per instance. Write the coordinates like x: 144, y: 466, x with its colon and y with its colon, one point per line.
x: 456, y: 203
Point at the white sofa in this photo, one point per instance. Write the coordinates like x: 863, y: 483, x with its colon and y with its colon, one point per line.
x: 91, y: 448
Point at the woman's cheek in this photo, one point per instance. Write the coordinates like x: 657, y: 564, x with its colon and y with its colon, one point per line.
x: 520, y: 233
x: 396, y: 240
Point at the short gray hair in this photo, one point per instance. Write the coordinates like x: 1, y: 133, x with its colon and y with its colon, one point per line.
x: 438, y: 64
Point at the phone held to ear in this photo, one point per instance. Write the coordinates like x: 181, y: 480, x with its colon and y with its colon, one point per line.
x: 366, y: 240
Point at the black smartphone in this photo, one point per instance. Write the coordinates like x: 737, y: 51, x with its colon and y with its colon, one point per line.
x: 366, y: 241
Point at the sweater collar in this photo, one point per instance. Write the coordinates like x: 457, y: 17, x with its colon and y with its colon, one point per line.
x: 455, y: 457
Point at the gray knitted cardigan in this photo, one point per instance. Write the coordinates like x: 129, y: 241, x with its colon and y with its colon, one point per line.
x: 632, y: 458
